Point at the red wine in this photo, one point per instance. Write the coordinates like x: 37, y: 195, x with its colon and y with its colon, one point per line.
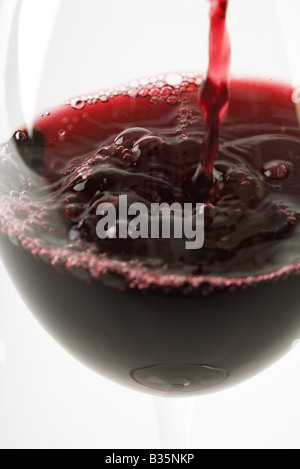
x: 250, y: 218
x: 150, y: 313
x: 214, y: 94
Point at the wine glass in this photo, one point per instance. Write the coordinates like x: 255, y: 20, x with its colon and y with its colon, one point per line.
x: 145, y: 328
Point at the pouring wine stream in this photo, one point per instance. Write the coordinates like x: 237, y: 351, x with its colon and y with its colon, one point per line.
x: 214, y: 95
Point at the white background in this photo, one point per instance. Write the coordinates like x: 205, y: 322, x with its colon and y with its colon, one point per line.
x: 47, y: 399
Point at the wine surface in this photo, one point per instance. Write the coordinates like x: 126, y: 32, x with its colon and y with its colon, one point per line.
x: 145, y: 142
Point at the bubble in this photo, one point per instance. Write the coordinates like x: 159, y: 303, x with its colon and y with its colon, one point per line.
x: 177, y: 91
x: 143, y: 93
x: 147, y: 146
x: 172, y: 100
x: 133, y: 93
x: 174, y: 79
x: 154, y: 92
x: 62, y: 133
x: 157, y: 99
x: 104, y: 99
x: 130, y: 136
x: 277, y: 170
x: 296, y: 96
x: 77, y: 104
x: 167, y: 90
x: 21, y: 136
x: 92, y: 101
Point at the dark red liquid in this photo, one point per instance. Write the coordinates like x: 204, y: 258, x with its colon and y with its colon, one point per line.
x: 214, y: 95
x: 149, y: 313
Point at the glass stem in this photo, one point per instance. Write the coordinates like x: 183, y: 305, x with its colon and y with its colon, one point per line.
x: 175, y: 422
